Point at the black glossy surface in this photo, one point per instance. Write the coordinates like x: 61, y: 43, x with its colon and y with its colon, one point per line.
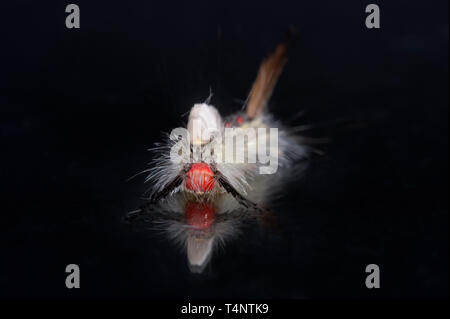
x: 79, y: 109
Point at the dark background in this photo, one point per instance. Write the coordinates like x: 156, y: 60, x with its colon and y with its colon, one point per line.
x: 80, y: 107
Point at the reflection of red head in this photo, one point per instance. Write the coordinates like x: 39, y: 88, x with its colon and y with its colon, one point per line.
x: 200, y: 178
x: 199, y: 215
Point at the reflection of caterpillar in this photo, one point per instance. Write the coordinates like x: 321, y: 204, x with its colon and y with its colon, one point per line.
x: 196, y: 227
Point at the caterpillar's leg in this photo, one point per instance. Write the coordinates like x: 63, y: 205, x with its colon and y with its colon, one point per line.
x: 223, y: 181
x: 147, y: 207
